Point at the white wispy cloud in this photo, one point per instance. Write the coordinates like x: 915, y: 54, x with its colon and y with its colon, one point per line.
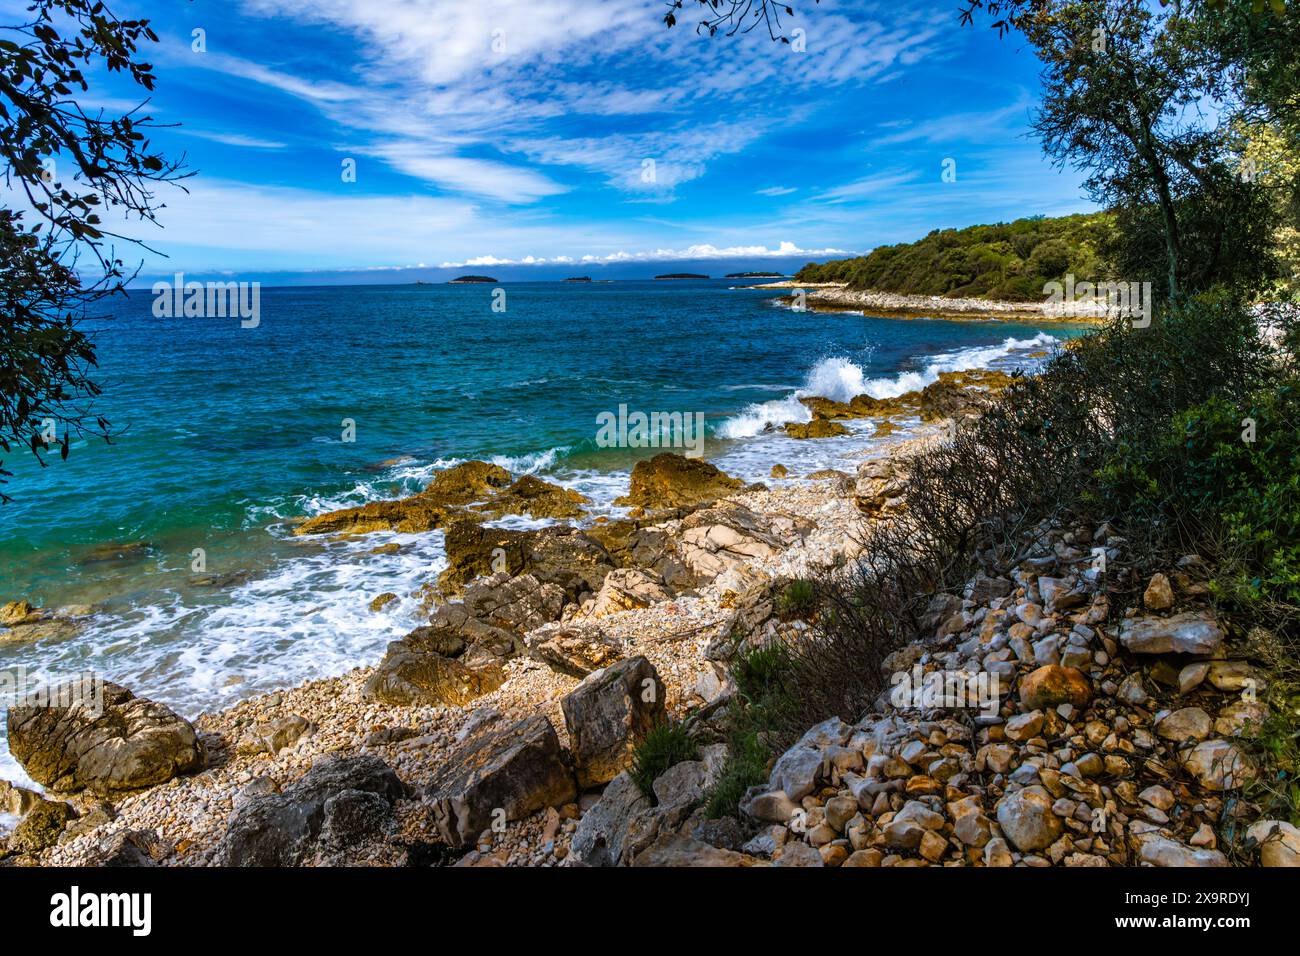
x: 868, y: 186
x: 313, y: 90
x: 231, y: 139
x: 441, y: 42
x: 462, y: 174
x: 988, y: 125
x: 653, y: 163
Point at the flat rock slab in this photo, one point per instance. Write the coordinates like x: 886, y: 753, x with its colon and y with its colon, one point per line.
x: 674, y: 849
x: 1192, y: 632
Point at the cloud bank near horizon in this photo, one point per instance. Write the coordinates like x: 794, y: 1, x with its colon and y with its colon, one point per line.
x: 699, y: 252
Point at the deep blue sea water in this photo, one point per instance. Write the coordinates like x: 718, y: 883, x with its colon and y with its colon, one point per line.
x: 225, y: 432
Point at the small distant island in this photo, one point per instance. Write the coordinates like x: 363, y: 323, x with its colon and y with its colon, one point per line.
x: 681, y: 275
x: 755, y: 275
x: 471, y: 279
x: 579, y: 279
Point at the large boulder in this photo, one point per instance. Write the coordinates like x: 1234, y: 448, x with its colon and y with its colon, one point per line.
x: 40, y: 828
x: 559, y: 555
x: 475, y: 551
x: 817, y: 428
x: 797, y: 771
x: 943, y: 399
x: 673, y: 481
x: 501, y: 775
x: 633, y: 543
x: 569, y: 558
x: 608, y: 714
x: 677, y: 849
x: 960, y: 393
x: 880, y: 487
x: 101, y: 737
x: 626, y: 589
x: 575, y: 648
x: 715, y: 540
x: 517, y: 604
x: 1052, y: 685
x: 473, y: 489
x: 15, y: 800
x: 432, y: 508
x: 13, y: 613
x: 456, y: 656
x: 617, y: 537
x: 1218, y: 765
x: 340, y: 804
x: 128, y: 848
x: 467, y: 482
x: 533, y: 497
x: 1159, y: 850
x: 20, y: 622
x: 860, y: 406
x: 1192, y: 632
x: 420, y: 669
x: 1278, y: 842
x: 623, y: 822
x: 608, y: 834
x: 1027, y: 820
x: 410, y: 515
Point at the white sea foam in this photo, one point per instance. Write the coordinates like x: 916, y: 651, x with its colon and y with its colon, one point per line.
x: 757, y: 387
x: 752, y: 460
x: 531, y: 463
x: 841, y: 379
x: 308, y: 617
x: 834, y: 378
x: 760, y: 416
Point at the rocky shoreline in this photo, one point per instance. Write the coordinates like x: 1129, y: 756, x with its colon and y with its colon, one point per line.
x: 836, y: 297
x: 503, y: 731
x: 265, y: 744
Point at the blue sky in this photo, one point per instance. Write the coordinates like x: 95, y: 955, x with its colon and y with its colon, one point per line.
x: 491, y: 132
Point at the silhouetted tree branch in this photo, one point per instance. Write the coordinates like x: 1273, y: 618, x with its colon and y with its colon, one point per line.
x: 68, y: 164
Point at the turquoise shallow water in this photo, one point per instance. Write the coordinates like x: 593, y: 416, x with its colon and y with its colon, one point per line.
x: 224, y: 432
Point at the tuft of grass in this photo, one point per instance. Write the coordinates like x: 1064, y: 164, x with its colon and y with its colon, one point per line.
x: 666, y: 744
x: 798, y: 599
x: 746, y: 767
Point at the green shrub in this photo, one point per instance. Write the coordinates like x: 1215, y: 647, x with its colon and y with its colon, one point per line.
x: 757, y: 672
x: 1236, y: 498
x: 666, y: 744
